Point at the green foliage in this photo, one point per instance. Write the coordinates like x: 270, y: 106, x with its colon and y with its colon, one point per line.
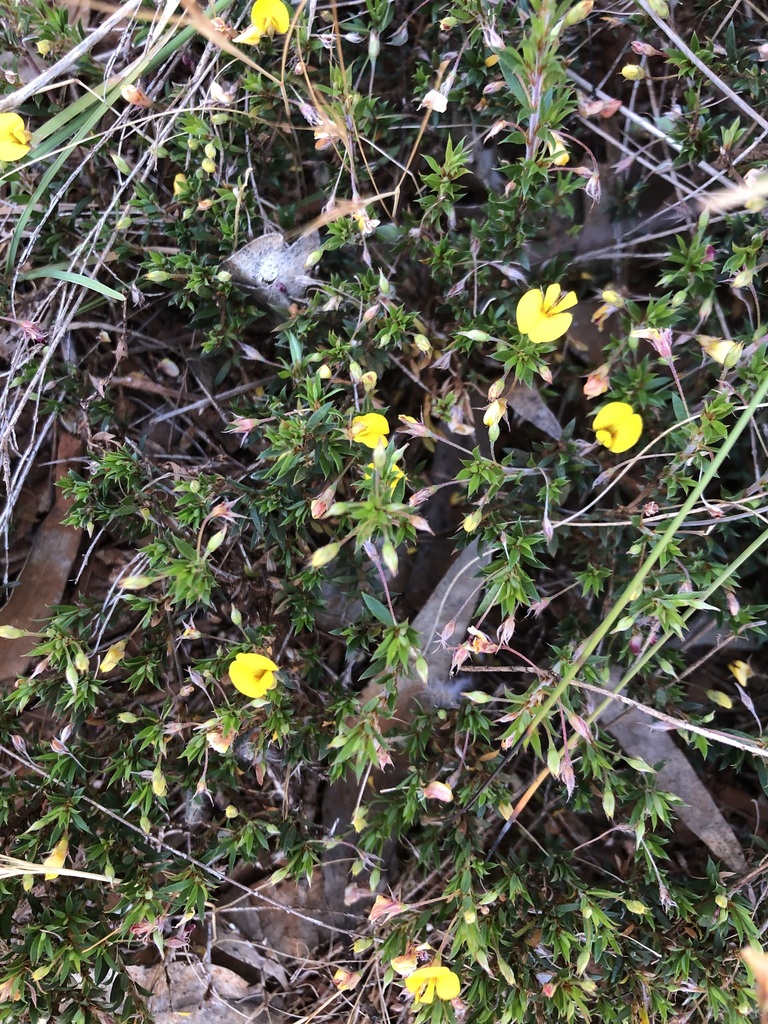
x: 227, y: 506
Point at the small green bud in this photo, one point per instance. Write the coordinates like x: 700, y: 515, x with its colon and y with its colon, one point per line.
x: 578, y: 13
x: 322, y: 556
x: 389, y: 555
x: 215, y: 542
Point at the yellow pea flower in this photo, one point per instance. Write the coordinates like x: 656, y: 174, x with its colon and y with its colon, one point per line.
x: 253, y: 674
x: 369, y: 429
x: 435, y: 980
x: 541, y: 315
x: 267, y: 17
x: 14, y: 137
x: 617, y: 426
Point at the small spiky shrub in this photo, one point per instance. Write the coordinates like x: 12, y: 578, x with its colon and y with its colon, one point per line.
x: 511, y: 239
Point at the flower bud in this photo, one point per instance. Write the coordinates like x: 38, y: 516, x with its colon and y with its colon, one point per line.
x: 389, y: 557
x: 597, y: 382
x: 471, y: 522
x: 633, y: 72
x: 475, y: 335
x: 322, y: 556
x: 578, y: 13
x: 496, y: 390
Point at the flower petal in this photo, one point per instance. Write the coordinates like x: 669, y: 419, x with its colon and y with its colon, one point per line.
x: 529, y: 311
x: 550, y: 328
x: 448, y: 985
x: 628, y: 434
x: 252, y: 36
x: 607, y: 416
x: 551, y: 295
x: 566, y: 301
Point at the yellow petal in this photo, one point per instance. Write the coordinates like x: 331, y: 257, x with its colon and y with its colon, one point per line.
x: 722, y: 350
x: 565, y: 300
x: 252, y: 36
x: 550, y: 328
x: 551, y: 295
x: 741, y: 672
x: 448, y: 985
x: 56, y: 858
x: 529, y: 311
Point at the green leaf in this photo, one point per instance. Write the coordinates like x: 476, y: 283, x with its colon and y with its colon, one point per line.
x: 72, y: 277
x: 379, y: 610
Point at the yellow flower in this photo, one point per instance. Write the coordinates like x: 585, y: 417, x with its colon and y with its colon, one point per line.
x: 267, y: 17
x: 14, y: 137
x: 558, y: 153
x: 369, y: 429
x: 426, y: 982
x: 722, y: 350
x: 542, y: 315
x: 741, y: 672
x: 618, y: 426
x: 253, y: 674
